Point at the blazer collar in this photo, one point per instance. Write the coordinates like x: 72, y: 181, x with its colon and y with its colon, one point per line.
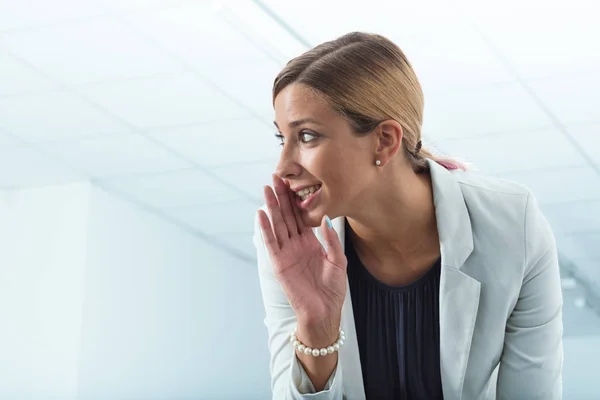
x: 453, y: 221
x: 458, y: 297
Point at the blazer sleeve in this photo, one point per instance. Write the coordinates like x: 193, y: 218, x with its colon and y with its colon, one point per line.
x: 289, y: 381
x: 532, y: 360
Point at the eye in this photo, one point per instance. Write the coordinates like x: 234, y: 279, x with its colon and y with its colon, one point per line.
x: 280, y: 138
x: 306, y: 137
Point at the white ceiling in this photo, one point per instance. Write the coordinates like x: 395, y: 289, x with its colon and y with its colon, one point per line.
x: 168, y: 102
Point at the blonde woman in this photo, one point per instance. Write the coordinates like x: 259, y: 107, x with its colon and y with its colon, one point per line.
x: 387, y: 272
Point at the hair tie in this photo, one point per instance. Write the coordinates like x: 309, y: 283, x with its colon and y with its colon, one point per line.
x: 418, y: 146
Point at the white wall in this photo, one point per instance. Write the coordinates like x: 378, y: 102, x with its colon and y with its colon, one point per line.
x: 165, y: 315
x: 42, y: 259
x: 101, y: 300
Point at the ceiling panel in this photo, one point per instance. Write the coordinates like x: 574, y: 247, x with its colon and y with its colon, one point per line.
x: 25, y: 167
x: 588, y: 136
x: 265, y: 32
x: 563, y: 38
x: 16, y: 77
x: 506, y: 152
x: 126, y: 6
x: 219, y: 219
x: 560, y: 184
x: 198, y: 80
x: 29, y: 13
x: 223, y: 142
x: 440, y: 62
x: 54, y: 116
x: 195, y: 32
x: 249, y: 83
x: 89, y: 51
x: 398, y: 20
x: 572, y: 98
x: 249, y: 177
x: 487, y: 109
x: 117, y: 154
x: 164, y: 102
x: 573, y: 217
x: 453, y: 61
x: 177, y: 188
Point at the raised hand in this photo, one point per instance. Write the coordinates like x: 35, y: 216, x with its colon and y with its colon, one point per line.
x: 313, y: 279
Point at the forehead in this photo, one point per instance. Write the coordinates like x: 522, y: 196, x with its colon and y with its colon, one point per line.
x: 296, y: 102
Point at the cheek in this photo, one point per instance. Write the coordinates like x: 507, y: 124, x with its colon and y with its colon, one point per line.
x: 339, y: 169
x: 345, y: 178
x: 328, y: 166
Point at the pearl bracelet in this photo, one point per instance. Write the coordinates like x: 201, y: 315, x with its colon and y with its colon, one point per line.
x: 318, y: 352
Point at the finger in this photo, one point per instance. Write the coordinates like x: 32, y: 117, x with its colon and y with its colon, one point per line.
x: 302, y: 227
x: 335, y: 252
x: 284, y: 198
x: 267, y: 232
x: 279, y: 228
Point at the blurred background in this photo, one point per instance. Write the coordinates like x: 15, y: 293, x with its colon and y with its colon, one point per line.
x: 136, y: 135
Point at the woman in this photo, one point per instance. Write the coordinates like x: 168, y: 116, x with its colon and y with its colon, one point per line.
x: 432, y: 282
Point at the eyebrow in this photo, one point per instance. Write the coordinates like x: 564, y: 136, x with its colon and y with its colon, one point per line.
x: 299, y: 122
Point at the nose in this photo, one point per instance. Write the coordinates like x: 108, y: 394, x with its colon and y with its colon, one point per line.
x: 288, y: 166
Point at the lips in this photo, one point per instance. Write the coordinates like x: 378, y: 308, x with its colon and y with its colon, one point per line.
x: 308, y: 196
x: 307, y: 191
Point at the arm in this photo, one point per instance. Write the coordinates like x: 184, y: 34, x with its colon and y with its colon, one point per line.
x: 289, y: 380
x: 531, y: 363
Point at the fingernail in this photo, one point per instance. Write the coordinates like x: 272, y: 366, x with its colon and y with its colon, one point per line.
x: 328, y: 220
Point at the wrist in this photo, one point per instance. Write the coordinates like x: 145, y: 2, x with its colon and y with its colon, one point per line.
x: 318, y: 333
x: 307, y: 350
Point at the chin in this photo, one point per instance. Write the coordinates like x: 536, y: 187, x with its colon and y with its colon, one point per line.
x: 312, y: 218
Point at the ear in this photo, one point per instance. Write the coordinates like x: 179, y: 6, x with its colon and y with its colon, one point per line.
x: 389, y: 140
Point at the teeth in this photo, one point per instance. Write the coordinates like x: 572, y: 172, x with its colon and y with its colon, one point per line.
x: 306, y: 192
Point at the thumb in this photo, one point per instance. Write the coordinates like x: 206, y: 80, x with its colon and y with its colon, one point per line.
x: 335, y: 253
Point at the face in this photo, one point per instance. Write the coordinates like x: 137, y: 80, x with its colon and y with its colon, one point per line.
x: 328, y: 166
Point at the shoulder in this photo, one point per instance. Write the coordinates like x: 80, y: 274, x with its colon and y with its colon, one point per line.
x: 506, y: 214
x: 497, y: 198
x: 474, y: 184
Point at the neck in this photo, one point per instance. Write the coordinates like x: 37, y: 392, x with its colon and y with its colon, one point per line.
x: 400, y: 221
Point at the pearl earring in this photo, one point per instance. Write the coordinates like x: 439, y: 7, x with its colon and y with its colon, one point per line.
x: 378, y: 163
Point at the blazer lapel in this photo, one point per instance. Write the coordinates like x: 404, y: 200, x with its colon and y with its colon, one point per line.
x: 459, y: 292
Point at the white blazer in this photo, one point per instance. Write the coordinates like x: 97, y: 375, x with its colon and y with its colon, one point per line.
x: 500, y: 300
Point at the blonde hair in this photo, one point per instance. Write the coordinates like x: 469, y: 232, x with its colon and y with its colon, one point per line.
x: 367, y: 79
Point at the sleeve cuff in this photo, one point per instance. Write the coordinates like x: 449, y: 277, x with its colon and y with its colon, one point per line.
x: 302, y: 387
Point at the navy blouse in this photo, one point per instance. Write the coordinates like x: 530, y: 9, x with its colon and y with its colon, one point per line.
x: 398, y: 333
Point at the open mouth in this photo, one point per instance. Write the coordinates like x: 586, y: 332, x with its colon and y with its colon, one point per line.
x: 307, y: 192
x: 305, y: 196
